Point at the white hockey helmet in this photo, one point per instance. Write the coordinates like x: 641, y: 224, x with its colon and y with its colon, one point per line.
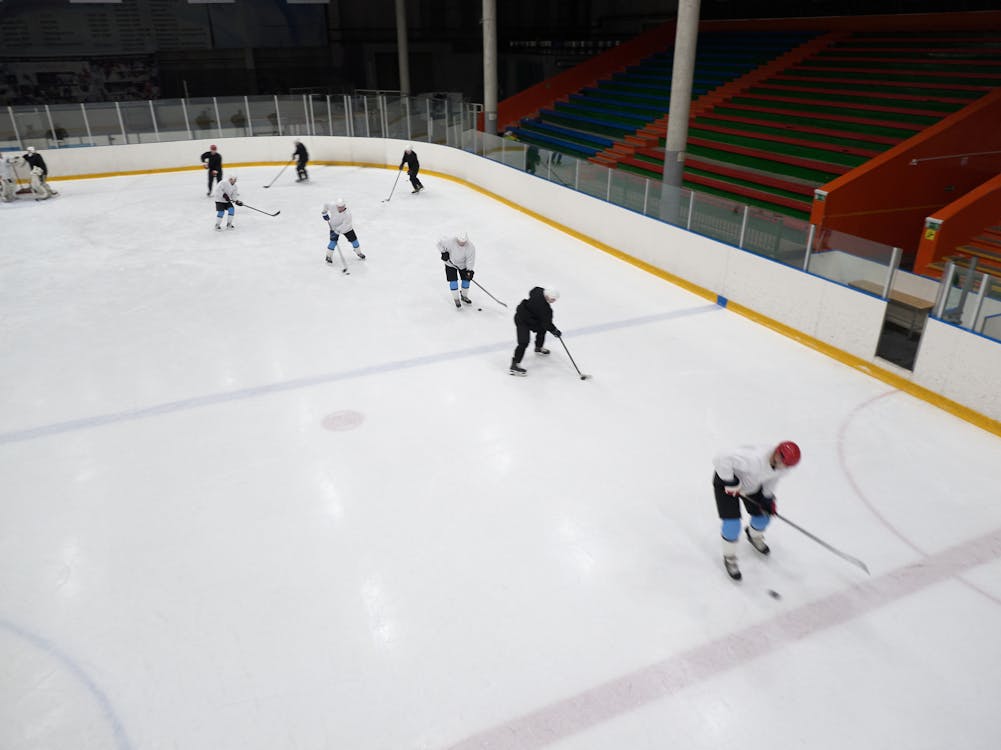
x: 31, y: 149
x: 552, y: 293
x: 462, y: 238
x: 232, y: 179
x: 339, y: 203
x: 409, y: 148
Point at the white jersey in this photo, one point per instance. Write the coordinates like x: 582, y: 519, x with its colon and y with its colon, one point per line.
x: 751, y: 465
x: 339, y: 221
x: 7, y: 169
x: 224, y: 192
x: 460, y: 256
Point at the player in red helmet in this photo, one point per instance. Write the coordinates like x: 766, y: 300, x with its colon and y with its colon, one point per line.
x: 749, y: 474
x: 788, y: 453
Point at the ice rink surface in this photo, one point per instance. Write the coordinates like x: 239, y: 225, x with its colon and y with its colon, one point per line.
x: 250, y: 502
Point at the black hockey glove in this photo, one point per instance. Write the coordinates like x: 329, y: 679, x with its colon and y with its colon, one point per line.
x: 468, y: 274
x: 326, y: 217
x: 557, y: 333
x: 333, y: 236
x: 239, y: 203
x: 444, y: 256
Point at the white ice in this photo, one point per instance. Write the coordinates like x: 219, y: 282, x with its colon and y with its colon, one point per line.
x: 250, y: 502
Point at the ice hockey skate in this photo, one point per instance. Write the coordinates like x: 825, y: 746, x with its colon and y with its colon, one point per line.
x: 466, y: 299
x: 516, y: 369
x: 732, y: 569
x: 757, y: 540
x: 541, y: 350
x: 458, y: 305
x: 359, y: 253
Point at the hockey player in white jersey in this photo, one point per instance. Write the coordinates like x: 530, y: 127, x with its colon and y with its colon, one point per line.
x: 338, y: 217
x: 226, y: 194
x: 459, y: 256
x: 749, y: 474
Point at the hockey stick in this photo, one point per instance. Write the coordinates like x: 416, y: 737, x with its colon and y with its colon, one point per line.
x: 479, y: 285
x: 853, y: 560
x: 582, y: 375
x: 277, y: 176
x: 260, y: 211
x: 343, y: 262
x: 488, y: 293
x: 386, y: 200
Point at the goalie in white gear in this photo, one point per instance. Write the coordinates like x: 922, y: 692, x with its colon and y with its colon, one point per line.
x: 225, y: 195
x: 338, y: 217
x: 8, y: 181
x: 459, y: 255
x: 39, y: 186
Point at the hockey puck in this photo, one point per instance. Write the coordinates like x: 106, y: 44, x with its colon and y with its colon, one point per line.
x: 479, y: 309
x: 774, y: 594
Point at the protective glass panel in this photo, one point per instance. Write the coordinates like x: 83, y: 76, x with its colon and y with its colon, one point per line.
x: 170, y: 120
x: 70, y: 127
x: 776, y: 236
x: 851, y: 260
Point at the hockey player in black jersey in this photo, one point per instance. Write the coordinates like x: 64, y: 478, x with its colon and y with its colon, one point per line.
x: 212, y: 160
x: 534, y: 314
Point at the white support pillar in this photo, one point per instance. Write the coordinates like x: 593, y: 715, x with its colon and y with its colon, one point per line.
x: 490, y: 66
x: 402, y: 50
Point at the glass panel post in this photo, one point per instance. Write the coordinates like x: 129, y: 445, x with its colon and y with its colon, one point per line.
x: 330, y: 118
x: 894, y: 265
x: 187, y: 122
x: 409, y: 132
x: 368, y: 125
x: 349, y: 124
x: 743, y: 227
x: 52, y: 128
x: 278, y: 115
x: 17, y: 135
x: 218, y: 119
x: 943, y: 289
x: 691, y: 210
x: 608, y: 188
x: 576, y: 174
x: 152, y: 115
x: 985, y: 284
x: 121, y: 122
x: 250, y: 120
x: 809, y: 246
x: 646, y: 193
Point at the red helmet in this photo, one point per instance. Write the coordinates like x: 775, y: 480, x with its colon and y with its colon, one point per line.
x: 788, y: 452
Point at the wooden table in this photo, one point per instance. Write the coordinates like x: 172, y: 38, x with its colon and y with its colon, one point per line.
x: 901, y: 308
